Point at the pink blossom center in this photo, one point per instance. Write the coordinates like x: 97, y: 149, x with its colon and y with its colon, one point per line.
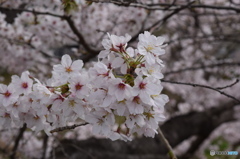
x: 36, y: 118
x: 121, y: 86
x: 25, y: 85
x: 121, y: 47
x: 136, y: 99
x: 68, y: 69
x: 59, y: 98
x: 15, y: 105
x: 7, y: 94
x: 142, y: 85
x: 30, y: 100
x: 78, y: 86
x: 109, y: 66
x: 7, y: 115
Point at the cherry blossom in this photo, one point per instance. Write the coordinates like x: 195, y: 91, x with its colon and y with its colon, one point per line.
x: 78, y: 86
x: 8, y: 94
x: 145, y: 87
x: 120, y: 89
x: 115, y: 44
x: 119, y: 95
x: 68, y: 67
x: 23, y: 84
x: 135, y: 105
x: 150, y: 46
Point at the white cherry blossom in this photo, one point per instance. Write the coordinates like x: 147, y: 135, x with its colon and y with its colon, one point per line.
x: 67, y: 67
x: 120, y: 89
x: 119, y: 95
x: 8, y: 94
x: 135, y: 105
x: 145, y: 87
x: 23, y: 84
x: 78, y: 86
x: 150, y: 46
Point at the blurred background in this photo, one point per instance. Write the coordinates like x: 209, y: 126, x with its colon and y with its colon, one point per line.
x: 202, y: 68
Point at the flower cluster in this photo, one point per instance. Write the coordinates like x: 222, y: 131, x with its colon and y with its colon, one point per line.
x: 120, y: 95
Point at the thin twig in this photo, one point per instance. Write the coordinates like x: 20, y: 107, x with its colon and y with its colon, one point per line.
x: 162, y: 6
x: 161, y: 21
x: 78, y: 34
x: 67, y: 127
x: 203, y: 86
x: 165, y: 141
x: 31, y: 11
x: 222, y: 64
x: 227, y: 86
x: 20, y: 43
x: 176, y: 11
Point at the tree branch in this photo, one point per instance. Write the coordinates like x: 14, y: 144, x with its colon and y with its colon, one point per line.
x: 91, y: 52
x: 31, y: 11
x: 17, y: 140
x: 161, y: 6
x: 203, y: 86
x: 67, y: 127
x: 161, y: 21
x: 204, y: 67
x: 227, y: 86
x: 164, y: 19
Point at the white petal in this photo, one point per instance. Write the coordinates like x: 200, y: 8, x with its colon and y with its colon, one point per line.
x: 119, y: 95
x: 153, y: 89
x: 124, y: 69
x: 103, y: 53
x: 77, y: 65
x: 66, y: 61
x: 138, y: 109
x: 117, y: 62
x: 130, y: 51
x: 140, y: 120
x: 150, y: 59
x: 121, y: 109
x: 58, y: 68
